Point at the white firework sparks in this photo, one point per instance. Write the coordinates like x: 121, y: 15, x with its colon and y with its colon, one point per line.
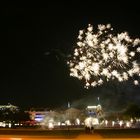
x: 103, y: 56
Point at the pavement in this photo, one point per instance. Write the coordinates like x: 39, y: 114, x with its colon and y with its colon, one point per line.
x: 80, y: 137
x: 100, y: 134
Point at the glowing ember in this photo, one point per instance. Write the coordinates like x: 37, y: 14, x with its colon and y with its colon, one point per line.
x: 102, y: 56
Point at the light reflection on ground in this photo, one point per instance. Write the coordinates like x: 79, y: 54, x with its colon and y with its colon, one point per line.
x: 70, y: 134
x: 80, y: 137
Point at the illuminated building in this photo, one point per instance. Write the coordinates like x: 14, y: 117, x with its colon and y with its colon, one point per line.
x: 37, y: 114
x: 9, y: 107
x: 95, y: 111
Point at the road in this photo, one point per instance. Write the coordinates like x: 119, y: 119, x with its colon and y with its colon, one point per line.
x: 101, y: 134
x: 80, y: 137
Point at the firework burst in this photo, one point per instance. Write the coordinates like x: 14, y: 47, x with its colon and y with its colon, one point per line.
x: 101, y: 56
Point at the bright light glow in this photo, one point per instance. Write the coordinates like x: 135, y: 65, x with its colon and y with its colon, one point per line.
x: 128, y: 124
x: 67, y: 122
x: 14, y: 139
x: 91, y: 107
x: 2, y: 124
x: 90, y: 121
x: 101, y: 56
x: 50, y: 125
x: 39, y: 118
x: 121, y: 123
x: 77, y: 121
x: 113, y: 123
x: 106, y: 122
x: 136, y: 82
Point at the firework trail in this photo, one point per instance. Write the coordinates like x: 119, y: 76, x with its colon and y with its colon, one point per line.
x: 101, y: 56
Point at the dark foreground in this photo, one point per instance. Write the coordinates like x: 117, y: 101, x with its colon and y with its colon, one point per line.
x: 30, y: 134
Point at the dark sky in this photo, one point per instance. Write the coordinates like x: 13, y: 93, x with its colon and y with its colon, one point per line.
x: 36, y: 39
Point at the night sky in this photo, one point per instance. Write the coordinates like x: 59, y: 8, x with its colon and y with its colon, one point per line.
x: 35, y: 41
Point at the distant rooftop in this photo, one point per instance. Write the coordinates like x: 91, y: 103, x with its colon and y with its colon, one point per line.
x: 9, y: 106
